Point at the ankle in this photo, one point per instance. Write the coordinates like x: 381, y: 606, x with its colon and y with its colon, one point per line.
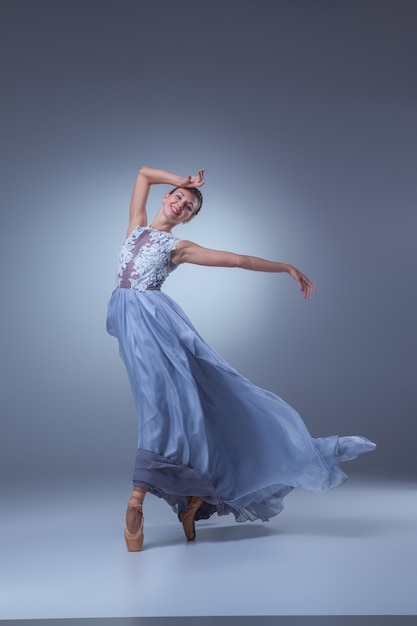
x: 138, y: 494
x: 135, y: 503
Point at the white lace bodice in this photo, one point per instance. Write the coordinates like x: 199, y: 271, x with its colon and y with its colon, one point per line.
x: 145, y: 259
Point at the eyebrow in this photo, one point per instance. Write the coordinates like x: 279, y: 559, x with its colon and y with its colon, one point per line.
x: 183, y: 195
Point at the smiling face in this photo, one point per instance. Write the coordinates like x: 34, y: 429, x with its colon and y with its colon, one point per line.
x: 181, y: 205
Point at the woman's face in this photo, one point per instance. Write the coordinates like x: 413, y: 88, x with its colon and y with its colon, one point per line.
x: 181, y: 205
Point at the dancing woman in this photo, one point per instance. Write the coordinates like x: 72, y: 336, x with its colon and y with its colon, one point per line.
x: 209, y: 441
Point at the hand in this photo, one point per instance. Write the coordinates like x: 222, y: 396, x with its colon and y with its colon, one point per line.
x: 194, y: 181
x: 305, y: 284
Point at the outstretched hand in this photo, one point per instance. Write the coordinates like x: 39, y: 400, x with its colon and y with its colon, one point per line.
x: 305, y: 284
x: 194, y: 181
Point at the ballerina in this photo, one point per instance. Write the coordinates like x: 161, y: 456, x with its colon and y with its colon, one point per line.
x: 209, y: 440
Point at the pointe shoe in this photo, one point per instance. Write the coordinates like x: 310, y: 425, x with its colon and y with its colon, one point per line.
x: 188, y: 518
x: 134, y: 541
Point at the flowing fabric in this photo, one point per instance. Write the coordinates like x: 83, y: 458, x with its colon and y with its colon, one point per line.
x: 204, y: 429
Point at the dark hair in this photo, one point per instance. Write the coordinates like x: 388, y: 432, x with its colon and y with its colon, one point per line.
x: 196, y: 192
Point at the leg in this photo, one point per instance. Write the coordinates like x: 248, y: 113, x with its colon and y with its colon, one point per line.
x: 187, y: 519
x: 134, y: 520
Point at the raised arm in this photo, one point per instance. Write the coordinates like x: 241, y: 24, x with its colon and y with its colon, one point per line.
x: 189, y: 252
x: 148, y: 176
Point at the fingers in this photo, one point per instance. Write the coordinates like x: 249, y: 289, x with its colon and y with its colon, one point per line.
x: 313, y: 289
x: 311, y: 285
x: 306, y: 286
x: 305, y: 289
x: 200, y: 178
x: 195, y: 181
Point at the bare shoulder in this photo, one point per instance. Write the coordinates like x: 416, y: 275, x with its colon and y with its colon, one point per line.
x: 181, y: 249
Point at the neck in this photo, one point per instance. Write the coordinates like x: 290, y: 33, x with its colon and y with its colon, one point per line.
x: 160, y: 227
x: 161, y: 223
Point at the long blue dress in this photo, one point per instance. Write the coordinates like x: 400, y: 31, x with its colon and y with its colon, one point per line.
x: 205, y: 430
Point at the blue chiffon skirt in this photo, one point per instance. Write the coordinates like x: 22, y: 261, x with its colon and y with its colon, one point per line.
x: 205, y: 430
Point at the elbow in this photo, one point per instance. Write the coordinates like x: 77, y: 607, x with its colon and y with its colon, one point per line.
x: 144, y: 171
x: 243, y: 261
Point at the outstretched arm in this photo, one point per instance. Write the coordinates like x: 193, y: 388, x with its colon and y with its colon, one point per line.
x: 189, y: 252
x: 148, y: 176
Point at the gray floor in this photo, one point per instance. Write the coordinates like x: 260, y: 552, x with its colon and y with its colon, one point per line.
x: 351, y: 551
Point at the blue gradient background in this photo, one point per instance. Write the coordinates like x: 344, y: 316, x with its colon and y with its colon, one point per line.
x: 304, y: 115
